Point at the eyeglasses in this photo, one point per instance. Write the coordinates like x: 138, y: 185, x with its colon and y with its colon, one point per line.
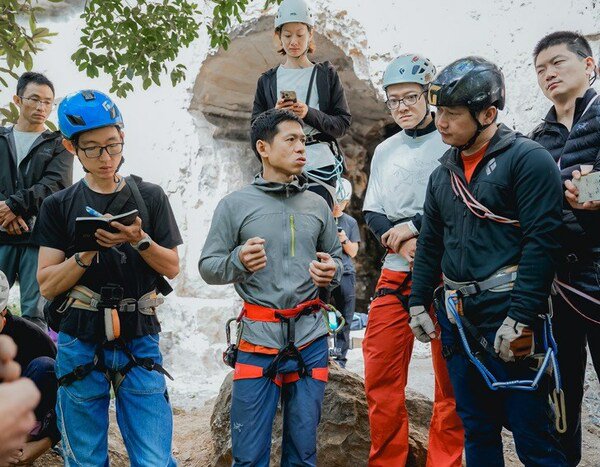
x: 409, y: 100
x: 35, y: 102
x: 94, y: 152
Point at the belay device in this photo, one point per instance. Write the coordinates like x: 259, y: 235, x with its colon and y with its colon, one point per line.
x: 110, y: 298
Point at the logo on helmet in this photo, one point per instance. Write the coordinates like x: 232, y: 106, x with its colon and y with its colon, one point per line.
x: 432, y: 95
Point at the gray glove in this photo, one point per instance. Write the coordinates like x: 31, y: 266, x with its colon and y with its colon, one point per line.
x: 513, y: 340
x: 421, y: 324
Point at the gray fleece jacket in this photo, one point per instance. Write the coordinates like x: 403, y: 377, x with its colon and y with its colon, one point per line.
x: 296, y: 224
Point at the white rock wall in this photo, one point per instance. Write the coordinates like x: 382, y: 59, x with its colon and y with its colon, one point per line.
x: 165, y: 143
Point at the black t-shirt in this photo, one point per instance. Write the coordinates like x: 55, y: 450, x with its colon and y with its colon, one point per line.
x: 31, y: 341
x: 121, y: 265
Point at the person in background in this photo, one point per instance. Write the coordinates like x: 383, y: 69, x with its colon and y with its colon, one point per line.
x: 345, y: 295
x: 33, y: 165
x: 570, y: 131
x: 319, y: 96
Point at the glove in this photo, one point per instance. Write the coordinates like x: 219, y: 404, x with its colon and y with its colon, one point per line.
x: 421, y: 324
x: 513, y: 340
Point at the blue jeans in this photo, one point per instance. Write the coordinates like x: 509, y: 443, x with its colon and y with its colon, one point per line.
x: 484, y: 412
x: 143, y: 410
x: 20, y: 262
x: 254, y: 403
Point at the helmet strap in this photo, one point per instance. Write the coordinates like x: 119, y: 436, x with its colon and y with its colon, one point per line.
x: 478, y: 131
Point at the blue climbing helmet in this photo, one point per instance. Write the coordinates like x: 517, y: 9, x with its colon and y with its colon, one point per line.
x: 87, y: 110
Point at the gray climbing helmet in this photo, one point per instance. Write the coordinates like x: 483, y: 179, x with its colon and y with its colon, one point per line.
x: 294, y: 11
x: 343, y: 190
x: 409, y: 68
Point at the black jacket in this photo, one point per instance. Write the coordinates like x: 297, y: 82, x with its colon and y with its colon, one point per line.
x: 47, y: 168
x: 516, y: 179
x: 333, y: 119
x: 573, y: 148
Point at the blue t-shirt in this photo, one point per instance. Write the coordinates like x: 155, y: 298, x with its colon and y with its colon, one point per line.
x: 349, y: 225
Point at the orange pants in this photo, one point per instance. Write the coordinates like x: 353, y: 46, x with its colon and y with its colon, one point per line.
x: 387, y: 349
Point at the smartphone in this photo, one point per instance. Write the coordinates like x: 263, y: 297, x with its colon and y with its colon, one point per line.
x: 589, y: 187
x: 289, y: 96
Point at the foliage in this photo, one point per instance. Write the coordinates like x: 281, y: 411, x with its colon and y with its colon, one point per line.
x: 124, y: 39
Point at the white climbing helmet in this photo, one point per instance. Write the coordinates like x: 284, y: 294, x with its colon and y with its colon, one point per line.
x: 294, y: 11
x: 343, y: 190
x: 4, y: 288
x: 409, y: 68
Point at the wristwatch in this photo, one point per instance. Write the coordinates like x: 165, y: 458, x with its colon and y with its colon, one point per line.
x: 143, y: 244
x: 80, y: 263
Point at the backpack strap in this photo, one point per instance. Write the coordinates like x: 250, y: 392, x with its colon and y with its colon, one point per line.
x: 162, y: 285
x: 139, y: 201
x: 310, y: 84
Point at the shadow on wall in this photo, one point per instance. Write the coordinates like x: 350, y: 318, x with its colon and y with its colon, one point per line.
x: 224, y: 93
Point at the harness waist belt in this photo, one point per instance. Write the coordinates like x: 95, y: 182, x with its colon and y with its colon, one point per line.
x: 86, y: 299
x: 501, y: 281
x: 263, y: 313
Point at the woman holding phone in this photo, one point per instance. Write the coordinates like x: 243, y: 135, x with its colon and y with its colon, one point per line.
x: 312, y: 91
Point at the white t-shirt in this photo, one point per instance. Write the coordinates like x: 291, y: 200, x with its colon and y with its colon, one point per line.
x: 23, y: 142
x: 400, y: 170
x: 297, y: 79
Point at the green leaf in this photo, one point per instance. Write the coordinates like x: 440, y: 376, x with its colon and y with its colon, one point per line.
x: 28, y: 61
x: 51, y: 126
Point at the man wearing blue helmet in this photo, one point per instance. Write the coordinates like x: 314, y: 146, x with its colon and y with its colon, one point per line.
x: 393, y: 210
x: 33, y: 164
x: 104, y: 300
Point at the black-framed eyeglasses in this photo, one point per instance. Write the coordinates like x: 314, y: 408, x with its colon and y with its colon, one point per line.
x: 113, y: 149
x: 409, y: 100
x: 34, y: 101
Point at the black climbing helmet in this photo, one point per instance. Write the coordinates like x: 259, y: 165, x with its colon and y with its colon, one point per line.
x: 472, y: 82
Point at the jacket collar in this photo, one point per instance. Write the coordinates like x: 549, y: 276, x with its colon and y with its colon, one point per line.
x: 298, y: 185
x: 581, y: 104
x: 502, y: 139
x: 416, y: 132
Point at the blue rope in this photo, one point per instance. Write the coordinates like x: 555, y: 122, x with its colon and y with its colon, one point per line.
x: 524, y: 385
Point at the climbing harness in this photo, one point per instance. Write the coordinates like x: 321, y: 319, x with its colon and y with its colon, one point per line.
x: 288, y: 317
x: 110, y: 302
x: 541, y: 363
x: 397, y: 292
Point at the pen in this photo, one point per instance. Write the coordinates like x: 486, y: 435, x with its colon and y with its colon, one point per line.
x: 93, y: 212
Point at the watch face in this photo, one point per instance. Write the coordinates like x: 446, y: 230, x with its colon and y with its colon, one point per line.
x: 144, y: 244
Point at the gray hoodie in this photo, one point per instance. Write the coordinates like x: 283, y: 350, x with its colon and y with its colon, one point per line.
x: 295, y: 224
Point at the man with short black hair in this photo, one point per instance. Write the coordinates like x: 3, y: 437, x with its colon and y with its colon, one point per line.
x: 570, y: 131
x: 33, y: 165
x: 278, y: 244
